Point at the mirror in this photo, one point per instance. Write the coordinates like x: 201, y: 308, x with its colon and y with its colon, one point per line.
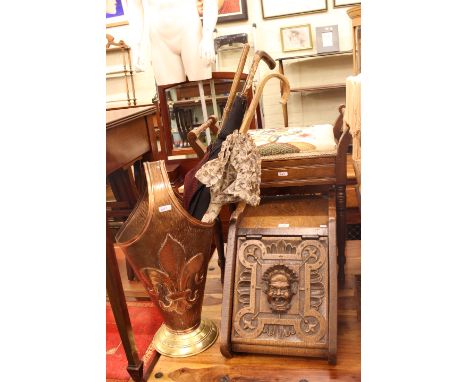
x: 182, y: 111
x: 185, y: 109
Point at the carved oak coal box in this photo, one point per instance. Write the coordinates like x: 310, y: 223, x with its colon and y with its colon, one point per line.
x: 280, y: 289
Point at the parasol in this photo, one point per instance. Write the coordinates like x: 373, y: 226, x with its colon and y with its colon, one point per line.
x: 232, y: 116
x: 196, y: 195
x: 234, y: 175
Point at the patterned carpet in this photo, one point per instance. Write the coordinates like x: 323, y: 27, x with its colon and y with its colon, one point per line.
x: 145, y: 320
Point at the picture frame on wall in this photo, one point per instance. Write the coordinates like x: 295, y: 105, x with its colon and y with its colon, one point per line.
x: 272, y: 9
x: 327, y: 39
x: 297, y: 37
x: 228, y: 10
x: 116, y: 13
x: 345, y: 3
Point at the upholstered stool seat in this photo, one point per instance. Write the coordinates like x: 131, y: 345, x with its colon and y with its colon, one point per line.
x: 306, y: 141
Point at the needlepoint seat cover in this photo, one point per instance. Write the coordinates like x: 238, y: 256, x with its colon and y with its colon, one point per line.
x: 316, y: 140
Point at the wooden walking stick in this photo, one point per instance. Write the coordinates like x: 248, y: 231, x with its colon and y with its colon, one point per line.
x: 220, y: 184
x: 236, y: 81
x: 251, y: 110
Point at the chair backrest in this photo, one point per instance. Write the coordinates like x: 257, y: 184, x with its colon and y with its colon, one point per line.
x: 184, y: 121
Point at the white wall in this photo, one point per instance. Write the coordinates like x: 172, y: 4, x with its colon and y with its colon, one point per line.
x: 303, y: 109
x: 144, y: 81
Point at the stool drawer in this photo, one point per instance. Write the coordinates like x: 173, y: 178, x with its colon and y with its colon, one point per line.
x: 288, y: 173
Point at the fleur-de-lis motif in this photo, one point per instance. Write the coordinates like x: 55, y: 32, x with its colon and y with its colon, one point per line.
x: 176, y: 282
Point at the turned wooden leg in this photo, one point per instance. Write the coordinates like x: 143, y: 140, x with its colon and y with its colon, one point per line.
x: 136, y: 372
x: 218, y: 236
x: 341, y: 231
x: 124, y: 190
x: 130, y: 273
x: 120, y: 311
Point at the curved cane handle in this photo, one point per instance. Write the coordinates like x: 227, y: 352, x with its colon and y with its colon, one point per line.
x: 251, y: 111
x: 192, y: 135
x: 259, y: 56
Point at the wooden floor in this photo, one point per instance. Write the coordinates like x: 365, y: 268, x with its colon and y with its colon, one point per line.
x: 211, y: 366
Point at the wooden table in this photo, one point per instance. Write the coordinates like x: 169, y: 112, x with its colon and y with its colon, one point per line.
x: 130, y: 136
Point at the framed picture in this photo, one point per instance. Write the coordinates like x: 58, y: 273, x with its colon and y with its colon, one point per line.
x: 327, y: 39
x: 116, y: 13
x: 232, y: 10
x: 296, y: 38
x: 345, y: 3
x: 228, y: 10
x: 273, y: 9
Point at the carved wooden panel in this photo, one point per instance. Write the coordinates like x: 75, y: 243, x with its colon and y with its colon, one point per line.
x: 281, y: 294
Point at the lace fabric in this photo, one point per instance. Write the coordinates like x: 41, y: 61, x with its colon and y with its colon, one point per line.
x: 234, y: 176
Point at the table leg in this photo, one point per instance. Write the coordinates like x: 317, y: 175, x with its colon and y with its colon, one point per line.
x: 123, y: 187
x: 124, y: 190
x: 341, y: 231
x: 120, y: 311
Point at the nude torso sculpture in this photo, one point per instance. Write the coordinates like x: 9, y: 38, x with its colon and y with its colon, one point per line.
x: 178, y: 44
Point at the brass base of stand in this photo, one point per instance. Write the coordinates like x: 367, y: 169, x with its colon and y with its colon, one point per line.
x: 175, y: 345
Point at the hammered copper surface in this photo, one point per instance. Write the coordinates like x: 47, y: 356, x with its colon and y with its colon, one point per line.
x: 169, y: 251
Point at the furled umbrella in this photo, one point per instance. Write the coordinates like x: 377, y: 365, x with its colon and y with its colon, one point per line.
x: 234, y: 175
x: 196, y: 195
x: 233, y: 116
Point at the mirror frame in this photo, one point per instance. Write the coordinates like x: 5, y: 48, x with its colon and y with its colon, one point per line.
x: 166, y: 135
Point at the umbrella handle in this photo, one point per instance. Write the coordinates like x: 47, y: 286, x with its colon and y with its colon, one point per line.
x: 251, y: 111
x: 192, y: 136
x: 259, y: 56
